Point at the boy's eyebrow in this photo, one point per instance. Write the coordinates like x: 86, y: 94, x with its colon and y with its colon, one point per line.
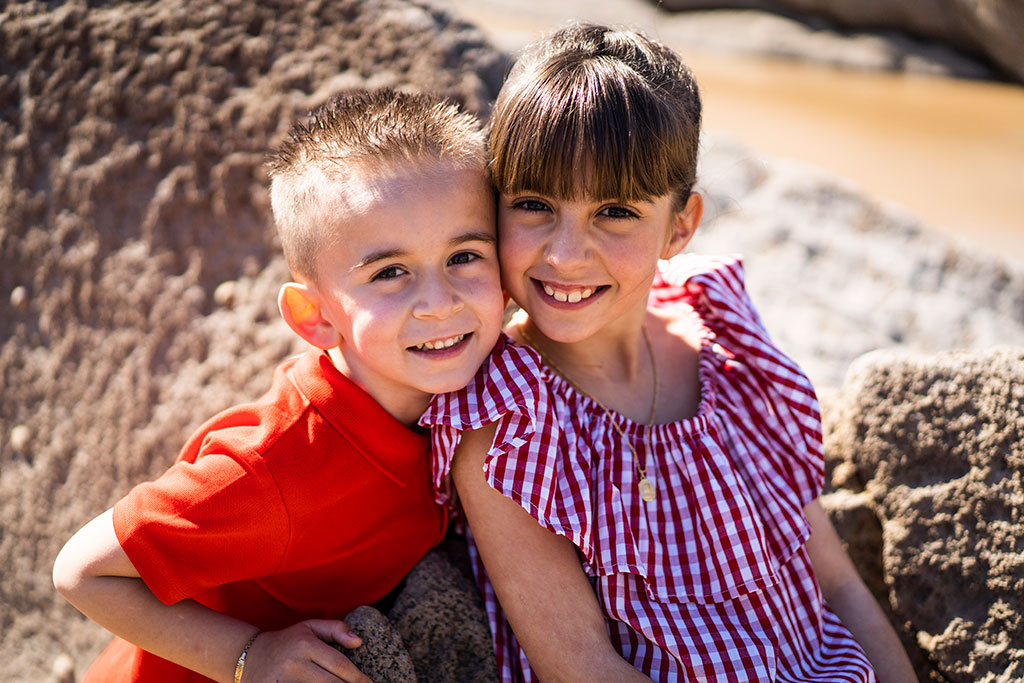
x: 473, y: 237
x: 384, y: 254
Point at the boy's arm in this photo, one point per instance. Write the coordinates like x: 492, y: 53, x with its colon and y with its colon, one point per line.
x: 853, y: 603
x: 538, y: 579
x: 95, y: 575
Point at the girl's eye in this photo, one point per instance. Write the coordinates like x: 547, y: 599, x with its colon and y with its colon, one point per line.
x: 618, y: 212
x: 462, y: 258
x: 389, y: 273
x: 530, y: 205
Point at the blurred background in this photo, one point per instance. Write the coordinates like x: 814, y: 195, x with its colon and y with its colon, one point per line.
x: 899, y: 104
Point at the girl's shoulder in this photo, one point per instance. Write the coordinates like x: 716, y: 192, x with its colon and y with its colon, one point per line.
x: 508, y: 381
x: 713, y: 286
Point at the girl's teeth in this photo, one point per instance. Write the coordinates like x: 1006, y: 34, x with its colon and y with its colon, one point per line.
x: 572, y: 297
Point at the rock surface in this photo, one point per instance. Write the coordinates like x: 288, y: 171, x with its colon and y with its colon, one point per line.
x: 382, y: 656
x: 131, y: 187
x: 441, y: 619
x: 990, y: 29
x: 139, y: 274
x: 937, y: 442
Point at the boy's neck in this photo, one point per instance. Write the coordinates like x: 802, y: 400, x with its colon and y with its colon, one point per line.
x: 403, y: 403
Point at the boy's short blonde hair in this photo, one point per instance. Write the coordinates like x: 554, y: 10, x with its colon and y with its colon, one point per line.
x: 600, y: 111
x: 358, y: 135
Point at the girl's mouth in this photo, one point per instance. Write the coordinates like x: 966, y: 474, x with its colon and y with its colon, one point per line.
x: 568, y: 295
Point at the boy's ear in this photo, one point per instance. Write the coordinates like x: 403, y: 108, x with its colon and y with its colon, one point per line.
x: 684, y: 225
x: 300, y: 308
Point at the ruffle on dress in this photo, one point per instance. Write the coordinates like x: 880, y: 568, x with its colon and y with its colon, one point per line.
x: 731, y: 482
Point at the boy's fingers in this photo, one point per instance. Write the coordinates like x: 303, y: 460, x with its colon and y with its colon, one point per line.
x: 335, y: 630
x: 341, y: 666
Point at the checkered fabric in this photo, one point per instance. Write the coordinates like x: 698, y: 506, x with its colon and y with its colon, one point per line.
x: 711, y: 580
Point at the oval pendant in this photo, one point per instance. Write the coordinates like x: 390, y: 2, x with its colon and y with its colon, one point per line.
x: 646, y: 487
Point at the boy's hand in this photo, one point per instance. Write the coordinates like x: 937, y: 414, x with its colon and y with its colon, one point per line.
x: 301, y: 653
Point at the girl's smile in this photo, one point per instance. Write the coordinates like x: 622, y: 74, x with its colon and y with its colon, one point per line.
x: 561, y: 257
x: 570, y: 294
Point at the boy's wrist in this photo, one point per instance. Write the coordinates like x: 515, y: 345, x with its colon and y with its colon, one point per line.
x: 240, y: 664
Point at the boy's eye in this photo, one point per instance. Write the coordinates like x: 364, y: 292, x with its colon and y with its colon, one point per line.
x: 618, y: 212
x: 389, y: 273
x: 462, y: 258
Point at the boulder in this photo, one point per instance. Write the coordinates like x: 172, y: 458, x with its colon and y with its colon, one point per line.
x: 937, y: 442
x: 131, y: 190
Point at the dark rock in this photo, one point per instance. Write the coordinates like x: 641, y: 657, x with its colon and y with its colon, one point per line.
x: 382, y: 656
x: 443, y: 624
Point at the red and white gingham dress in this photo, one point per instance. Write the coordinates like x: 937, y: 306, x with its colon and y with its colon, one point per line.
x: 711, y: 580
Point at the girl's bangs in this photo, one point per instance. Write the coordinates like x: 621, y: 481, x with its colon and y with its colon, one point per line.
x: 575, y: 134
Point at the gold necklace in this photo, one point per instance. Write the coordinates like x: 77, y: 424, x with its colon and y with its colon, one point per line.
x: 645, y: 485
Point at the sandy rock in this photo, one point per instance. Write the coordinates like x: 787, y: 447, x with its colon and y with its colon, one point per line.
x: 382, y: 656
x: 939, y: 441
x: 133, y: 136
x: 443, y: 624
x: 19, y: 298
x: 226, y: 293
x: 20, y: 438
x: 991, y: 29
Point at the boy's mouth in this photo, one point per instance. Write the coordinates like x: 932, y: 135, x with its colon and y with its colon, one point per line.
x: 571, y: 295
x: 440, y: 344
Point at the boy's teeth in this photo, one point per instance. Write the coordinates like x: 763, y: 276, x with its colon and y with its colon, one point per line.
x: 571, y: 297
x: 441, y: 344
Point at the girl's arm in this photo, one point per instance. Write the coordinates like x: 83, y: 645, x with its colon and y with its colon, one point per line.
x: 95, y: 575
x: 853, y: 603
x: 538, y: 579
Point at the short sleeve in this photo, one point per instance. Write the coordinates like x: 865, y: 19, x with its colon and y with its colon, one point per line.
x: 529, y: 461
x: 186, y: 531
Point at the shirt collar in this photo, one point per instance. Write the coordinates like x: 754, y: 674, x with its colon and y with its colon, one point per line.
x: 389, y: 445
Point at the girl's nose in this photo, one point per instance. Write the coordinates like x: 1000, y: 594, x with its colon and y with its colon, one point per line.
x: 567, y: 249
x: 437, y: 299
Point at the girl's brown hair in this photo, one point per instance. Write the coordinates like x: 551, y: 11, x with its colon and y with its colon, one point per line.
x: 597, y: 111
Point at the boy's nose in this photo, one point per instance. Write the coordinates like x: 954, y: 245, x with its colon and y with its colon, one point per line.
x: 438, y: 299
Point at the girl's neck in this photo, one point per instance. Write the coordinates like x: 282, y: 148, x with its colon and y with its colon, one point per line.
x: 613, y: 366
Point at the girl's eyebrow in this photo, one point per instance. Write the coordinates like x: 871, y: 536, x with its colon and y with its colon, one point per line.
x: 384, y: 254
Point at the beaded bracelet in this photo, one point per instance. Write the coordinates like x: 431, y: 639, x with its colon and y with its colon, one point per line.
x: 240, y: 664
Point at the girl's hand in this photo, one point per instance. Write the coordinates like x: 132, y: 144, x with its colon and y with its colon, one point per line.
x: 302, y: 653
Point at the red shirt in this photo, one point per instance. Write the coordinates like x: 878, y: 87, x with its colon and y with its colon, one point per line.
x: 305, y: 504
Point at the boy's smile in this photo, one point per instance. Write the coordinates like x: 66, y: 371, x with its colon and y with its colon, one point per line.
x: 410, y: 282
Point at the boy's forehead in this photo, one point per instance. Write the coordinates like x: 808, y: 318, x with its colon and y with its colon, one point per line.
x: 373, y: 197
x: 364, y: 185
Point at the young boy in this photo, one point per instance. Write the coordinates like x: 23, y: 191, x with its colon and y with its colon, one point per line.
x: 281, y: 516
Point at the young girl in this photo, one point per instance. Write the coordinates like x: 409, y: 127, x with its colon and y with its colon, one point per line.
x: 638, y: 464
